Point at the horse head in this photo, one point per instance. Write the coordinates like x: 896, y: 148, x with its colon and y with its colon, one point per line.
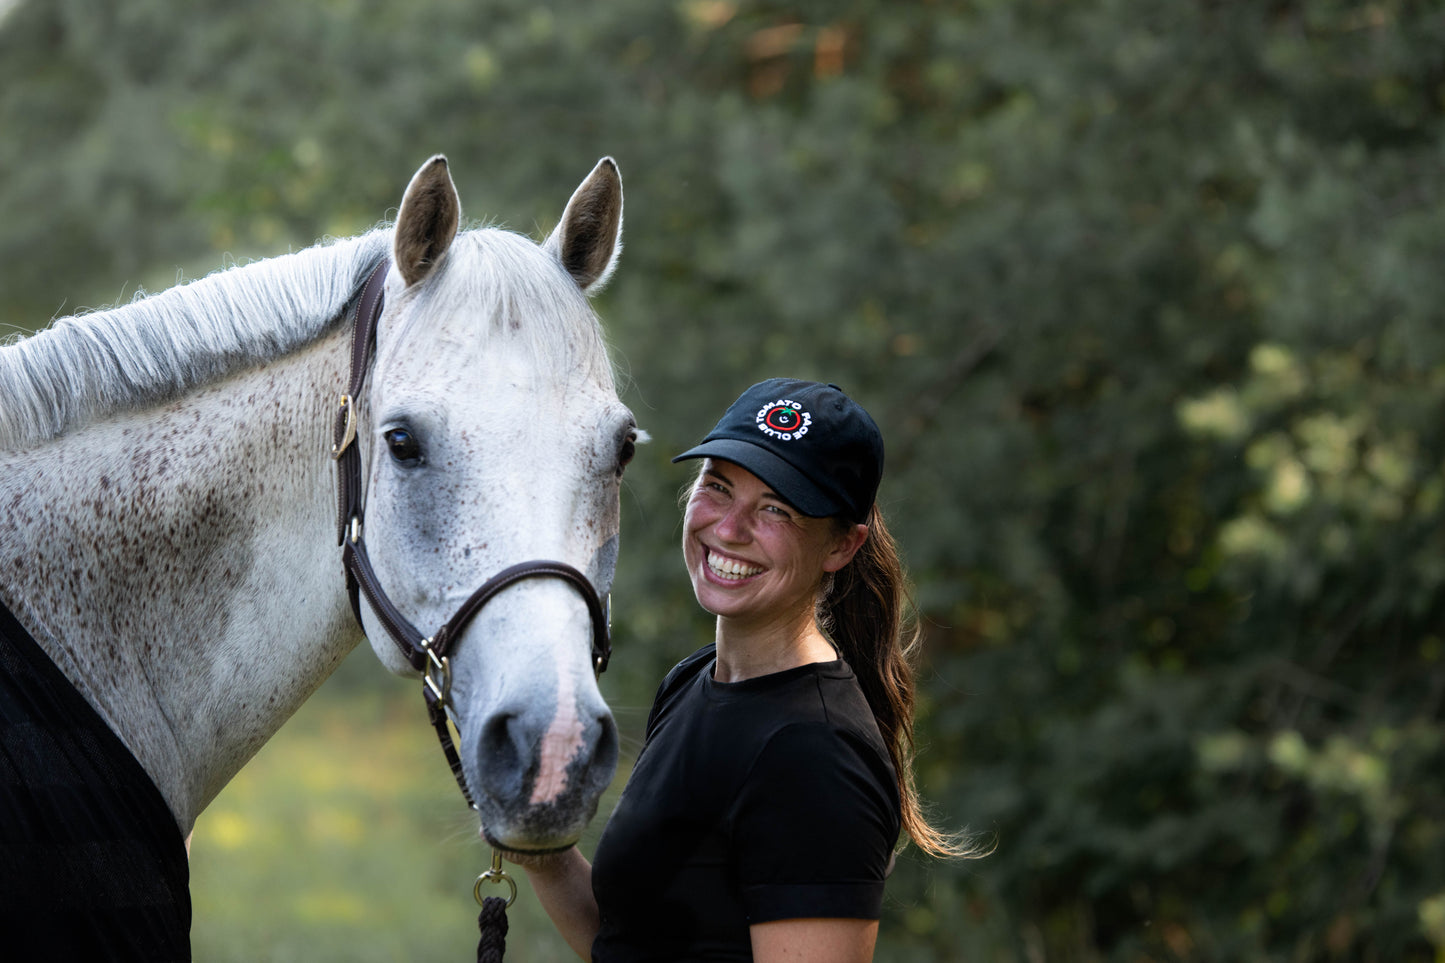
x: 491, y: 434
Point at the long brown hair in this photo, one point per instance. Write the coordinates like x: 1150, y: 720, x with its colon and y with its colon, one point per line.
x: 868, y: 615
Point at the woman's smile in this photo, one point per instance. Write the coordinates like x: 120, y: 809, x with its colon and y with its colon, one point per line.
x: 752, y: 556
x: 730, y: 569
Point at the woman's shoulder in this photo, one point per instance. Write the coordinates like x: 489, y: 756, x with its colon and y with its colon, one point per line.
x: 810, y: 740
x: 831, y: 719
x: 678, y: 678
x: 686, y: 670
x: 806, y: 767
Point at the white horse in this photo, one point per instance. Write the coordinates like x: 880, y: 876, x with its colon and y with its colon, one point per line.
x: 168, y: 524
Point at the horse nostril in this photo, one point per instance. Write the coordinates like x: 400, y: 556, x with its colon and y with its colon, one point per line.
x: 501, y: 751
x: 522, y: 762
x: 604, y: 753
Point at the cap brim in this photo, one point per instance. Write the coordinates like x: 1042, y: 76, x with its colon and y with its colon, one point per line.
x: 783, y: 478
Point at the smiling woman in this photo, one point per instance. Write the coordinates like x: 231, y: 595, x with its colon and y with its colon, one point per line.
x: 760, y: 819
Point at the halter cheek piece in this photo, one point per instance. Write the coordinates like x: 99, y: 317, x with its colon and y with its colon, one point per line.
x: 427, y: 655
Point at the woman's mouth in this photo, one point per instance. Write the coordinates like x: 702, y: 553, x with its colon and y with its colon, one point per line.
x: 730, y: 569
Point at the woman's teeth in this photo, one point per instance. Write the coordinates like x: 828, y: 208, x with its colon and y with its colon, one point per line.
x: 726, y: 568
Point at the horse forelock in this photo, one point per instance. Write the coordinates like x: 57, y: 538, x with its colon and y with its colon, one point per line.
x: 503, y: 286
x: 160, y: 345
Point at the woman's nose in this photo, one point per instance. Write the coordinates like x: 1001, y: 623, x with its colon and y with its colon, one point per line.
x: 733, y: 525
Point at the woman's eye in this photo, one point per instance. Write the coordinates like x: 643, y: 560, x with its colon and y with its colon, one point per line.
x: 405, y: 448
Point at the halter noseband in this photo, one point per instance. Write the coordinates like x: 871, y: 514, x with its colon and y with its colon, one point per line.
x: 427, y: 655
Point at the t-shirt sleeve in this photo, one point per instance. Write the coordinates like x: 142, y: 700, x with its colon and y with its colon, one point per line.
x: 814, y: 827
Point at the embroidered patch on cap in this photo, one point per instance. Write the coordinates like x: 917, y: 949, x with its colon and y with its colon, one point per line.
x: 784, y: 420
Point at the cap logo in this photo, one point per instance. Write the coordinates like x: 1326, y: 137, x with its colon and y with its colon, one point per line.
x: 784, y: 420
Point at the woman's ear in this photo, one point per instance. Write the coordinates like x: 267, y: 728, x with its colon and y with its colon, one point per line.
x: 849, y: 541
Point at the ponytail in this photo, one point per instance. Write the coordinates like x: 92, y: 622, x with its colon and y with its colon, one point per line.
x: 867, y: 615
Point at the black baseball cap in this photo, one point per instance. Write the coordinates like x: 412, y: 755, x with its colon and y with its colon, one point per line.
x: 810, y: 443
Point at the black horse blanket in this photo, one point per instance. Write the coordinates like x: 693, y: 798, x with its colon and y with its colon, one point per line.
x: 92, y: 863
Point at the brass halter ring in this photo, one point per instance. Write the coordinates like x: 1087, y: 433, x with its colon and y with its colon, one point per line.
x: 495, y: 875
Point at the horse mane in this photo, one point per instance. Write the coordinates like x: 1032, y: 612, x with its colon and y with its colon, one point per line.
x: 160, y: 345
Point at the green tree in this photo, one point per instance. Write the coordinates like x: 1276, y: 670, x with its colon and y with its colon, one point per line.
x: 1145, y: 297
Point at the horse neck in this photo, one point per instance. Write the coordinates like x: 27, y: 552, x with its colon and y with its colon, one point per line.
x: 179, y: 566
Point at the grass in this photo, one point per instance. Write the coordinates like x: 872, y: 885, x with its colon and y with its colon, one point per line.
x: 346, y: 839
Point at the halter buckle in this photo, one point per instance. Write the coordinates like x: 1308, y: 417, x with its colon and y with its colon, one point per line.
x: 600, y: 659
x: 495, y: 875
x: 440, y: 690
x: 348, y: 435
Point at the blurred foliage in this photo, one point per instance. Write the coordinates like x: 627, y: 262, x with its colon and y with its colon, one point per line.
x: 1145, y: 297
x: 341, y: 842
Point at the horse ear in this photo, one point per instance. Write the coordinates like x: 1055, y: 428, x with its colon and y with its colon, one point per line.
x: 588, y: 239
x: 427, y: 222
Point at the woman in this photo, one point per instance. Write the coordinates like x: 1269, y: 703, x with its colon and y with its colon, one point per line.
x: 760, y: 819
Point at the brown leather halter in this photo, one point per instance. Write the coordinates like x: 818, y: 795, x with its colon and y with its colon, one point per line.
x: 427, y: 655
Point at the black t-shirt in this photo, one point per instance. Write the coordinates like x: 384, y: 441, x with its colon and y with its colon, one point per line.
x: 767, y: 799
x: 92, y: 863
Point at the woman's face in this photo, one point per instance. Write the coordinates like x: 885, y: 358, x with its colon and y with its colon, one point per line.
x: 752, y: 556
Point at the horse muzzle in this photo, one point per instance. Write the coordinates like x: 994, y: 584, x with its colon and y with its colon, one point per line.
x: 538, y: 776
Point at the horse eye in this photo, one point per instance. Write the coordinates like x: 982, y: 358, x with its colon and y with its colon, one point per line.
x: 627, y: 451
x: 405, y: 448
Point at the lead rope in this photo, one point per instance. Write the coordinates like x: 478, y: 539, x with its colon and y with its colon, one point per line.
x: 493, y: 924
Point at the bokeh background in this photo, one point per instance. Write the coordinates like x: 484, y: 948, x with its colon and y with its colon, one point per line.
x: 1146, y: 296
